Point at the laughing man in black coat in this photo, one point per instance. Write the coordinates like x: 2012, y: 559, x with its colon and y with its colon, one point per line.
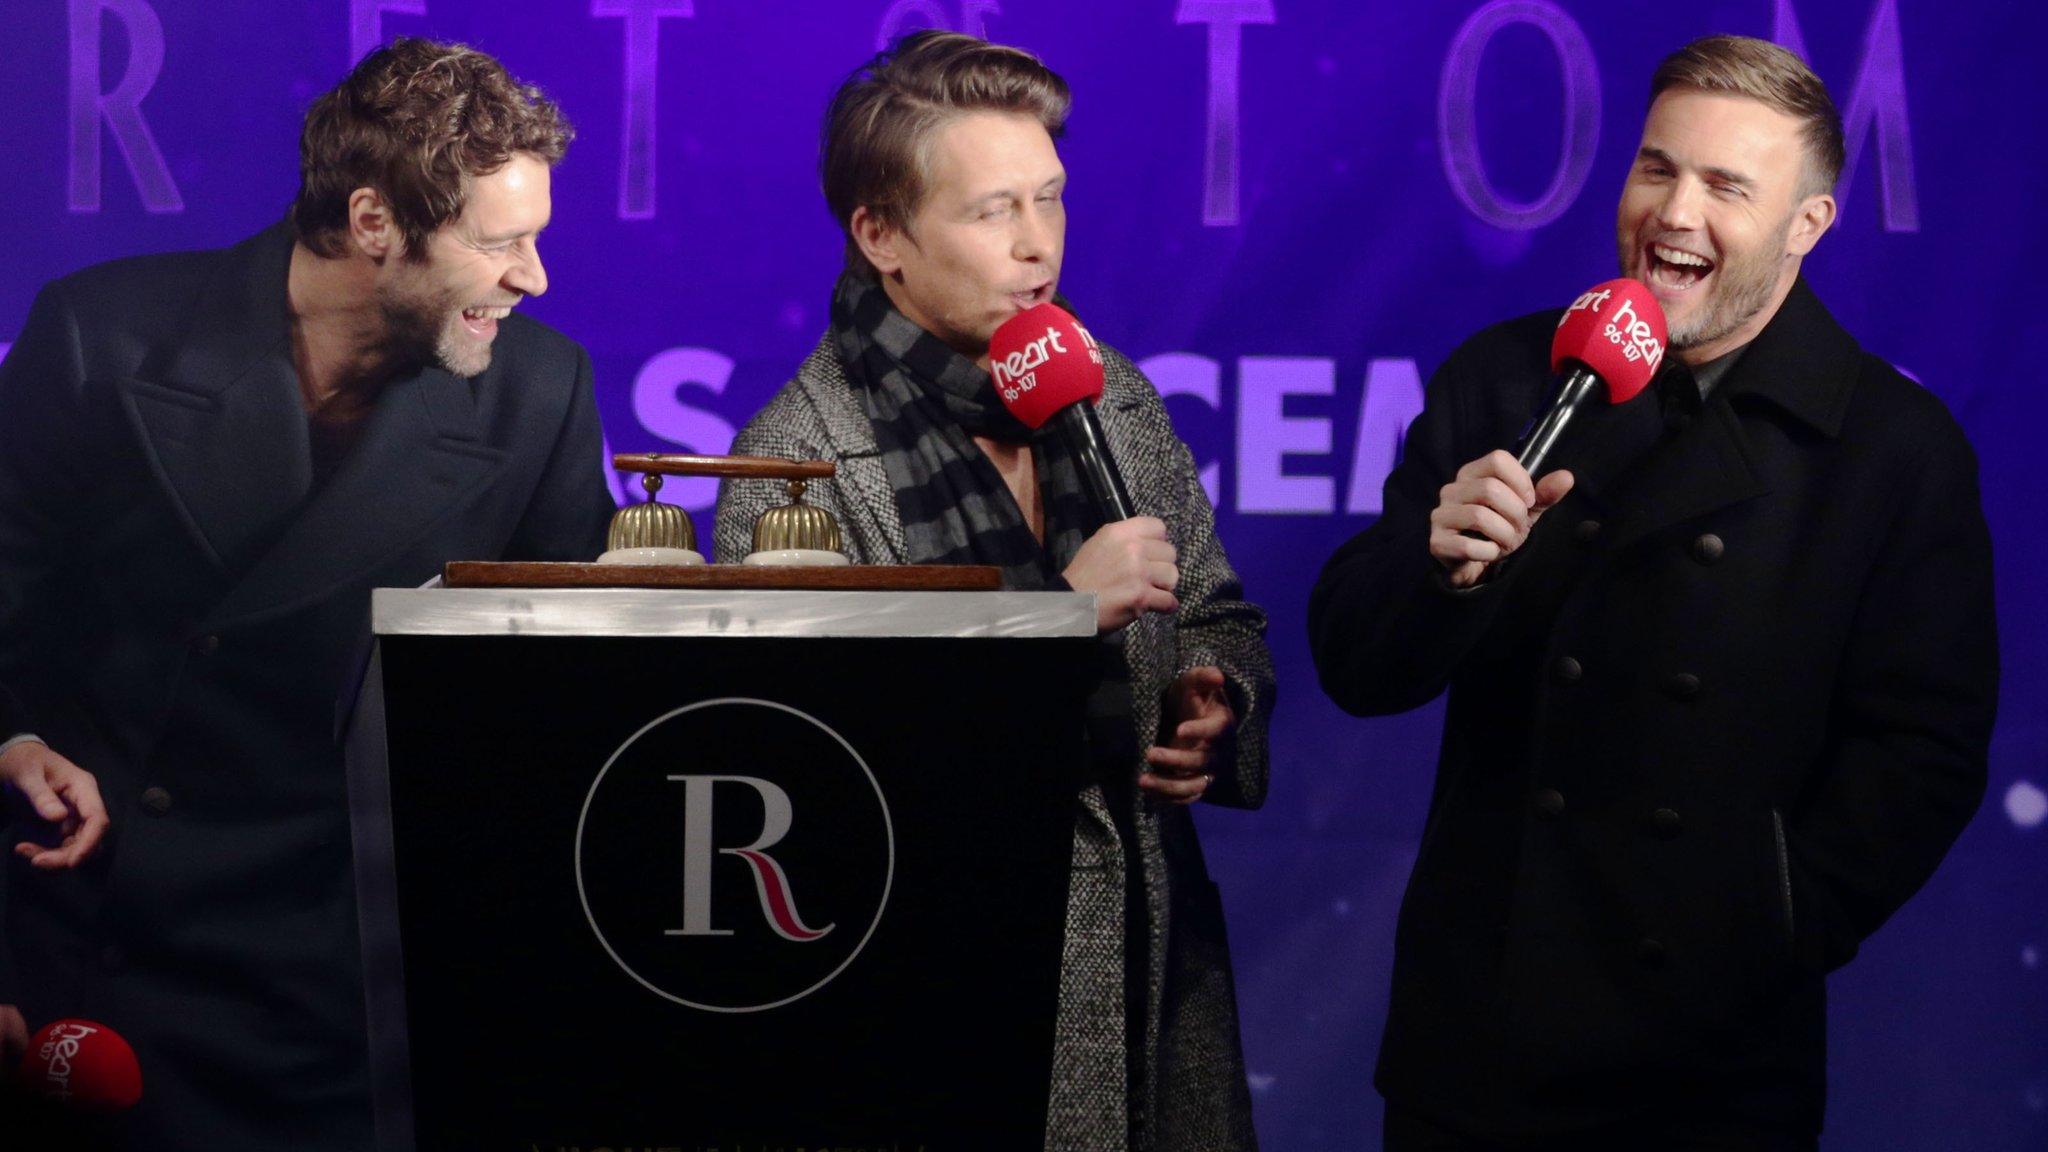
x: 1721, y: 687
x: 207, y: 461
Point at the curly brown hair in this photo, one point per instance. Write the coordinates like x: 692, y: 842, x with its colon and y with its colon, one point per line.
x: 417, y: 121
x: 875, y: 148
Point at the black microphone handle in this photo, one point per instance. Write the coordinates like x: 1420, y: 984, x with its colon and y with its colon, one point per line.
x: 1579, y: 385
x: 1083, y: 435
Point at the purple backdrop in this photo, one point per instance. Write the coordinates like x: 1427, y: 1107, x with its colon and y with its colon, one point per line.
x: 1290, y: 211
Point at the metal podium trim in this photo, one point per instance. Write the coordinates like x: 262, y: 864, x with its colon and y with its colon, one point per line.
x: 610, y: 612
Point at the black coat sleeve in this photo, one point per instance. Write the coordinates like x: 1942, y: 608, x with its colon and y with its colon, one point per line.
x: 40, y: 387
x: 1386, y: 629
x: 1215, y: 625
x: 41, y: 384
x: 1910, y: 726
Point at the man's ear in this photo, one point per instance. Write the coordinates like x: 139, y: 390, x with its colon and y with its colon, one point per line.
x: 1810, y: 221
x: 370, y: 226
x: 880, y: 242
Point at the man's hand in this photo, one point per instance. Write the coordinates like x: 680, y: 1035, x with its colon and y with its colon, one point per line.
x: 1129, y: 565
x: 13, y: 1036
x: 63, y: 795
x: 1487, y: 512
x: 1199, y: 710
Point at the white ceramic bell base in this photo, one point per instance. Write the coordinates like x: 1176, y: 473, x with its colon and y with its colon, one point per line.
x: 651, y: 556
x: 796, y: 558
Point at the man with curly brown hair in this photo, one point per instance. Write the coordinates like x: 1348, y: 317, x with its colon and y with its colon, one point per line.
x: 207, y: 461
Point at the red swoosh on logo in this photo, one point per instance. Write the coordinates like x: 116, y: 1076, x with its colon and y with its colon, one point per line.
x: 774, y: 886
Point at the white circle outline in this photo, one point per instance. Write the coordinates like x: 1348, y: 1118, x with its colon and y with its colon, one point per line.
x: 888, y: 834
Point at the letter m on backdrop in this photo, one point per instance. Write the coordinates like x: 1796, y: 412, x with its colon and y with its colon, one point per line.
x: 1878, y: 97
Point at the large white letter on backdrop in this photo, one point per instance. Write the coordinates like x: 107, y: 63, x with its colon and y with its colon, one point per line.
x: 1458, y: 118
x: 1266, y: 435
x: 121, y: 108
x: 643, y: 54
x: 1392, y: 401
x: 659, y: 407
x: 1878, y: 97
x: 366, y: 23
x: 910, y: 15
x: 1222, y: 149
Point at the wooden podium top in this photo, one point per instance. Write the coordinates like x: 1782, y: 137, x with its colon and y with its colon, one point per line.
x: 850, y: 578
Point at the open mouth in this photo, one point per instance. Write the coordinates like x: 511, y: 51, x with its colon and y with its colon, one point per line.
x: 1032, y: 297
x: 1675, y: 269
x: 483, y: 321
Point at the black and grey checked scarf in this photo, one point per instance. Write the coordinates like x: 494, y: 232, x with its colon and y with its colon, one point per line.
x: 926, y: 402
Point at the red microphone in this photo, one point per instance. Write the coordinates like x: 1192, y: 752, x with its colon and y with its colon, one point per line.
x: 1047, y: 367
x: 80, y: 1064
x: 1613, y: 335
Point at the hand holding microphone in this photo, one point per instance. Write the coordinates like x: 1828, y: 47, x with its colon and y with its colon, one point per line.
x: 13, y: 1035
x: 1047, y: 368
x: 1486, y: 512
x: 1129, y: 565
x: 1609, y: 344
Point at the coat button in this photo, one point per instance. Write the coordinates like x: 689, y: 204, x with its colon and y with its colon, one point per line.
x: 1684, y: 686
x: 206, y: 645
x: 1650, y: 952
x: 1587, y: 531
x: 1665, y: 823
x: 1550, y: 802
x: 156, y: 801
x: 1568, y: 670
x: 1707, y: 548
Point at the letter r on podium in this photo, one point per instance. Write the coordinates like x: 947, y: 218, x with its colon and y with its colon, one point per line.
x: 771, y: 884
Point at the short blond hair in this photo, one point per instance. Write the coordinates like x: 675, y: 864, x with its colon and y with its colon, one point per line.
x: 875, y: 151
x: 1772, y: 76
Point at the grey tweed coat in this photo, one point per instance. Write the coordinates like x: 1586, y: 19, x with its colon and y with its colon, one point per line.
x: 1191, y: 1095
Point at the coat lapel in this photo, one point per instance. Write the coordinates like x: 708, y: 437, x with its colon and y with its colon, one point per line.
x: 221, y: 421
x: 1704, y: 469
x: 862, y: 479
x: 869, y: 498
x: 224, y: 428
x: 420, y: 459
x: 1802, y: 365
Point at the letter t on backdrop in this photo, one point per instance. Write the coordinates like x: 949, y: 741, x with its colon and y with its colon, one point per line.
x: 1223, y: 153
x: 643, y: 54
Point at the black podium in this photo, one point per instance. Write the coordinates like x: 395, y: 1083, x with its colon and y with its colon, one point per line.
x: 704, y: 870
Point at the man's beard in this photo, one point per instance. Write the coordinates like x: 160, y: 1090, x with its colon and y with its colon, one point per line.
x: 422, y: 330
x: 1742, y: 286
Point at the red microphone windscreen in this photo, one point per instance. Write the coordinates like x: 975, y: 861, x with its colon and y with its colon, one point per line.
x: 81, y: 1064
x: 1617, y: 330
x: 1043, y: 361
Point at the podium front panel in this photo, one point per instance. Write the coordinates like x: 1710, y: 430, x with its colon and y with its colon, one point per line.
x: 717, y: 870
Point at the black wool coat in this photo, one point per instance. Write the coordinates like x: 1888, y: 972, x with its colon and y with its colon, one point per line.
x: 183, y: 614
x: 1717, y: 719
